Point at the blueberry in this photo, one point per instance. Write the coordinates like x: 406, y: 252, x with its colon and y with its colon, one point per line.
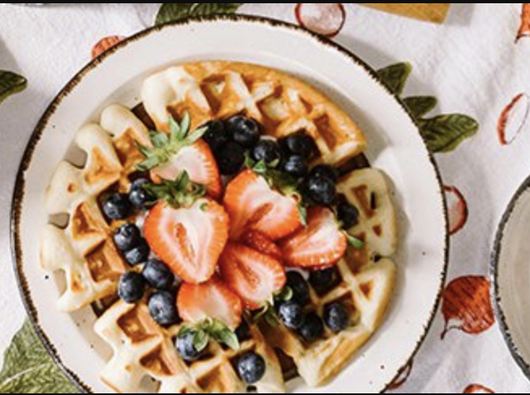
x: 337, y: 317
x: 230, y: 159
x: 267, y: 151
x: 299, y: 286
x: 140, y: 182
x: 245, y: 131
x: 243, y: 332
x: 320, y: 190
x: 131, y: 287
x: 127, y: 237
x: 216, y: 135
x: 186, y: 348
x: 312, y: 329
x: 139, y: 254
x: 163, y: 308
x: 117, y: 206
x: 251, y: 368
x: 325, y: 171
x: 300, y: 144
x: 348, y: 214
x: 296, y: 166
x: 323, y: 281
x: 158, y: 275
x: 138, y: 196
x: 292, y: 315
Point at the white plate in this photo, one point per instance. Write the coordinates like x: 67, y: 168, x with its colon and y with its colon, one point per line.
x: 394, y: 146
x: 510, y: 275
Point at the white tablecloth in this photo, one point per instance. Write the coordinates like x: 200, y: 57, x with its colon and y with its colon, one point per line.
x: 471, y: 64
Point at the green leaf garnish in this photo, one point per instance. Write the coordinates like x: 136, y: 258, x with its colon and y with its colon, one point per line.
x: 285, y: 295
x: 179, y: 193
x: 165, y: 146
x: 302, y: 211
x: 354, y: 241
x: 210, y: 330
x: 268, y: 315
x: 201, y: 340
x: 222, y: 334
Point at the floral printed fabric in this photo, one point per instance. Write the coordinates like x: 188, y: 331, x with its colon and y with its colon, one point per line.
x: 475, y: 64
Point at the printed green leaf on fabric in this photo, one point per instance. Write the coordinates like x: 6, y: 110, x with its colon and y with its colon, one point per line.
x: 171, y: 12
x: 29, y: 369
x: 445, y: 132
x: 420, y: 106
x: 395, y: 76
x: 11, y: 83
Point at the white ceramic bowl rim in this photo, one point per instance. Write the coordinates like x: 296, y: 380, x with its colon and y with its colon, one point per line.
x: 18, y: 196
x: 496, y: 296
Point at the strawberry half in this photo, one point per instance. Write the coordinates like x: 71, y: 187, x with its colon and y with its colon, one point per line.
x: 253, y: 205
x: 189, y: 240
x: 319, y: 245
x: 261, y: 243
x: 182, y: 151
x: 255, y: 277
x: 198, y: 161
x: 211, y: 300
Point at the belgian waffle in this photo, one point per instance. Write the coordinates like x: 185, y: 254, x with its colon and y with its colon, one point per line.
x: 364, y: 284
x: 84, y: 249
x: 85, y: 252
x: 281, y: 103
x: 142, y: 348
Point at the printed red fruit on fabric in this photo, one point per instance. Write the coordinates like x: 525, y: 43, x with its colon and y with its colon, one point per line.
x: 477, y: 389
x: 402, y: 378
x: 458, y: 209
x: 524, y: 29
x: 327, y: 19
x: 467, y: 306
x: 105, y: 44
x: 513, y: 119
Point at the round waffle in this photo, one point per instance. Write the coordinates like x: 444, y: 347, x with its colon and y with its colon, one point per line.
x: 85, y: 252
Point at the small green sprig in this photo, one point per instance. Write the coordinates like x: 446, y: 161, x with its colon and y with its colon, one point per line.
x: 181, y: 193
x: 210, y: 329
x: 268, y: 312
x: 354, y: 241
x: 166, y: 146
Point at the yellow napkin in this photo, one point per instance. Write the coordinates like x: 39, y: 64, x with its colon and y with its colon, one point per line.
x: 431, y: 12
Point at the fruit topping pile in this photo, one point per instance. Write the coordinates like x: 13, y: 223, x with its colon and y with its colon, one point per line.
x: 235, y: 227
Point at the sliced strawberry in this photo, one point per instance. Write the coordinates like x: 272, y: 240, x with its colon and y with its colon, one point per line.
x: 261, y: 243
x: 319, y: 245
x: 190, y: 240
x: 253, y: 205
x: 199, y: 162
x: 211, y: 300
x: 255, y: 277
